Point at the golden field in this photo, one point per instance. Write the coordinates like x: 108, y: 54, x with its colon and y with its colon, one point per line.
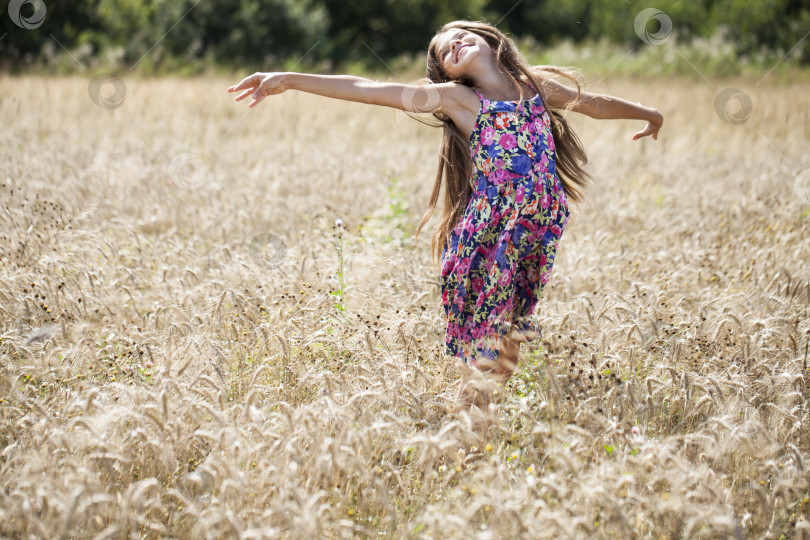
x: 191, y: 348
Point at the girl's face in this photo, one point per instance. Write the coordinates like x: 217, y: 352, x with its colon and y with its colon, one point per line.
x: 458, y: 49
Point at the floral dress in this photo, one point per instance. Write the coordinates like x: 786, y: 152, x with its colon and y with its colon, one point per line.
x: 499, y: 256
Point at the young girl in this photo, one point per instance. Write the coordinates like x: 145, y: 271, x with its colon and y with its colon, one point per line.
x: 510, y: 164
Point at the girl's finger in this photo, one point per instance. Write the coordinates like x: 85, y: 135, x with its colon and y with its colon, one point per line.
x: 248, y: 82
x: 243, y: 95
x: 237, y: 87
x: 256, y: 100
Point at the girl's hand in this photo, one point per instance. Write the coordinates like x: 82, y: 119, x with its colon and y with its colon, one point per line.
x: 652, y: 127
x: 260, y: 85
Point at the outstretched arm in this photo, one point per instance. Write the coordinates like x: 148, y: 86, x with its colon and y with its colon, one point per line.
x: 443, y: 97
x: 603, y: 107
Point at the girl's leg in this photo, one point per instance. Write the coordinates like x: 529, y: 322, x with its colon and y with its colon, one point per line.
x: 474, y: 390
x: 502, y: 368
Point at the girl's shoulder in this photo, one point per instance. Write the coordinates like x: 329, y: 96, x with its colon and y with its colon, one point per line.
x: 456, y: 99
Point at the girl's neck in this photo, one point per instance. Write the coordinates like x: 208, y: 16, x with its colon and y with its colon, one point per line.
x: 495, y: 84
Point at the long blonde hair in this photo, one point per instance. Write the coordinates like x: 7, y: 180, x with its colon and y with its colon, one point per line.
x: 455, y: 163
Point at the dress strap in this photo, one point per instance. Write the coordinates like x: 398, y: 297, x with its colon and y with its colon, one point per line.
x: 480, y: 96
x: 538, y: 95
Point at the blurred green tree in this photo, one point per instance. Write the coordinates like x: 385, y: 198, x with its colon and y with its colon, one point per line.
x: 167, y: 34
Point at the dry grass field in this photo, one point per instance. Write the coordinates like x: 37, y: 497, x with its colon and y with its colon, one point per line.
x: 190, y: 347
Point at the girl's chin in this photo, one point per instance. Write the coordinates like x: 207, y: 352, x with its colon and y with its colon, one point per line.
x: 463, y: 63
x: 458, y: 73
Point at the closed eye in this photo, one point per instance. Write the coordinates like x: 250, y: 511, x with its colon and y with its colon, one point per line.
x: 447, y: 51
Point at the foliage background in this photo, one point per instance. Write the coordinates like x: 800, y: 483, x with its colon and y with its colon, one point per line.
x: 189, y: 36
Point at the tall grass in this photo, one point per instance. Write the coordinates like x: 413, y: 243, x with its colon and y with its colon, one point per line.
x: 191, y: 348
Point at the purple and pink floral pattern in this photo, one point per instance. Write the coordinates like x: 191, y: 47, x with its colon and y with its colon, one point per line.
x: 499, y: 256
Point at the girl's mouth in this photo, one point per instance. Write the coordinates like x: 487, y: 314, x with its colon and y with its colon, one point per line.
x: 458, y: 52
